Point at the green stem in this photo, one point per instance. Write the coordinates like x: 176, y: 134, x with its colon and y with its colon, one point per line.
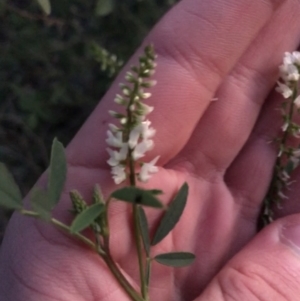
x: 147, y: 273
x: 136, y: 225
x: 120, y: 277
x: 61, y: 226
x: 278, y: 165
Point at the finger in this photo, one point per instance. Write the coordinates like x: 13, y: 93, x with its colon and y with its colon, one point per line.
x: 228, y: 122
x: 268, y: 268
x: 198, y: 43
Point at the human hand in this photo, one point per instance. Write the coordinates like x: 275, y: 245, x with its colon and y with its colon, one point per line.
x: 225, y: 49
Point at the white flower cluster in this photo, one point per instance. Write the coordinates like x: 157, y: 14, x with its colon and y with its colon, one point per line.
x: 133, y: 138
x: 290, y: 75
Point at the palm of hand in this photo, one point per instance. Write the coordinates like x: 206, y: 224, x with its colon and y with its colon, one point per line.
x: 219, y: 148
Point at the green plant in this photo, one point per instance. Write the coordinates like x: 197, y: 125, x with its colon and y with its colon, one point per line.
x: 128, y: 141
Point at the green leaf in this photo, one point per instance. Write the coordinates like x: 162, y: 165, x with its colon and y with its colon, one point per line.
x: 175, y: 259
x: 137, y: 196
x: 104, y: 7
x: 86, y: 218
x: 10, y: 195
x: 45, y: 6
x: 57, y: 172
x: 172, y: 215
x: 144, y: 229
x: 41, y: 203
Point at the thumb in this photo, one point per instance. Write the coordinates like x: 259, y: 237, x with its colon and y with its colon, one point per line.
x: 268, y: 268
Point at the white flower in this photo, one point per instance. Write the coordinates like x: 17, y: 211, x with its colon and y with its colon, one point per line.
x: 134, y: 136
x: 296, y: 57
x: 113, y: 128
x: 119, y: 174
x: 115, y: 140
x: 289, y: 72
x: 291, y: 58
x: 297, y: 102
x: 145, y: 95
x: 117, y: 156
x: 147, y: 169
x: 282, y: 195
x: 145, y: 109
x: 120, y: 100
x: 141, y: 148
x: 146, y: 131
x: 285, y: 126
x: 143, y: 130
x: 288, y: 58
x: 284, y: 89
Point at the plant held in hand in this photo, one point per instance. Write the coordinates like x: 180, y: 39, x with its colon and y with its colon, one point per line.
x: 128, y: 142
x: 289, y: 147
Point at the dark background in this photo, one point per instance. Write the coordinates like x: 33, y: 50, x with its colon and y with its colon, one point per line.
x: 54, y: 70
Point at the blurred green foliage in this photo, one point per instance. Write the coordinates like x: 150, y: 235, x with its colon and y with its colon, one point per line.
x: 55, y: 68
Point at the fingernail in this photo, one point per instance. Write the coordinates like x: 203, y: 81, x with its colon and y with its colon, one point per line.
x: 291, y: 235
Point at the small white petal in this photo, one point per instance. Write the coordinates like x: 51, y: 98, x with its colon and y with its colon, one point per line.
x: 120, y: 100
x: 146, y: 95
x: 114, y: 139
x: 147, y: 169
x: 285, y: 90
x: 134, y: 136
x: 296, y: 57
x: 297, y: 102
x: 141, y: 148
x: 147, y: 131
x: 282, y: 195
x: 146, y: 109
x: 289, y: 72
x: 113, y: 128
x: 288, y: 58
x: 119, y: 174
x: 123, y: 120
x: 117, y: 156
x: 285, y: 126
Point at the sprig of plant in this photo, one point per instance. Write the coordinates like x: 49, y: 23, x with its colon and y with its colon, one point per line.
x: 109, y: 62
x: 128, y: 141
x: 289, y: 147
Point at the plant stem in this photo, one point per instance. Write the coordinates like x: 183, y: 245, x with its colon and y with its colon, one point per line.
x: 136, y: 225
x: 120, y: 277
x: 147, y: 273
x: 61, y: 226
x: 266, y: 215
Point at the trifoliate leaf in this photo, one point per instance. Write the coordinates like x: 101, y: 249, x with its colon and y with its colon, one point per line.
x: 45, y: 6
x: 172, y: 215
x: 104, y: 7
x: 175, y: 259
x: 57, y: 172
x: 41, y: 203
x: 86, y: 217
x: 10, y: 195
x: 144, y: 229
x: 137, y: 196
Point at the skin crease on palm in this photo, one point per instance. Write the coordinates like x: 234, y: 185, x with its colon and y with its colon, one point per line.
x: 206, y: 48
